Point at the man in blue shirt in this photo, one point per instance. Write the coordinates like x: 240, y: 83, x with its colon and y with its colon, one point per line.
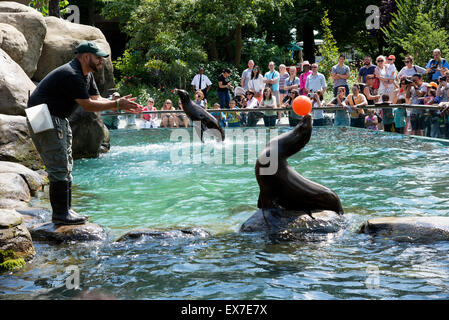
x: 367, y: 69
x: 315, y: 81
x: 436, y: 65
x: 271, y: 79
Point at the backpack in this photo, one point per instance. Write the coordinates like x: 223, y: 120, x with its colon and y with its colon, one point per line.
x: 430, y: 74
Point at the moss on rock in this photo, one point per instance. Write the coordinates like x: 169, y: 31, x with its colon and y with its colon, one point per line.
x: 9, y: 261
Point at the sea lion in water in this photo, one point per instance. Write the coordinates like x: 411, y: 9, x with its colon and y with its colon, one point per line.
x: 197, y: 113
x: 286, y: 188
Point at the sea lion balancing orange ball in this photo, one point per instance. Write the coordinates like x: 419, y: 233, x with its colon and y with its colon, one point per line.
x: 302, y: 105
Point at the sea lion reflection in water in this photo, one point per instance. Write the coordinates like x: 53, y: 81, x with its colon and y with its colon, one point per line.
x: 198, y: 114
x: 285, y: 188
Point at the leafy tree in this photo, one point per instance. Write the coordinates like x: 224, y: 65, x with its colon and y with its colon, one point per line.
x: 424, y: 38
x: 403, y: 21
x: 329, y: 49
x: 50, y: 7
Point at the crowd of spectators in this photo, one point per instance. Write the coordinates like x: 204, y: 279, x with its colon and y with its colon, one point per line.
x: 379, y: 83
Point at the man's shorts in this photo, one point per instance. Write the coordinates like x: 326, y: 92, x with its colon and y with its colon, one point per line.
x: 417, y: 121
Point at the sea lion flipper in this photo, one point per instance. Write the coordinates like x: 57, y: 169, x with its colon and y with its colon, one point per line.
x: 266, y: 200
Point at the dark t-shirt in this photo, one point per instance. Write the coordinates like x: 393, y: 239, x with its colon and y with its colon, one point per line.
x: 364, y: 71
x: 61, y: 87
x: 223, y: 81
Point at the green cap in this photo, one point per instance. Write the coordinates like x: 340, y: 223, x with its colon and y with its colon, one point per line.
x: 90, y: 47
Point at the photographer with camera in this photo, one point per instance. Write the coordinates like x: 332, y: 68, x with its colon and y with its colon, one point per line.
x: 436, y: 66
x: 414, y: 91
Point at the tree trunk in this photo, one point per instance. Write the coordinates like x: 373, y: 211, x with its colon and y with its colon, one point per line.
x: 309, y: 42
x: 91, y: 13
x: 213, y: 54
x: 53, y: 8
x: 238, y: 45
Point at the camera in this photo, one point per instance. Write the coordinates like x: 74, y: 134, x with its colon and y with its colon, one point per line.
x: 443, y: 78
x: 408, y: 81
x: 310, y: 95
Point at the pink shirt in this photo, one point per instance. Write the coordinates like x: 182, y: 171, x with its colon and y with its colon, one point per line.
x: 303, y: 79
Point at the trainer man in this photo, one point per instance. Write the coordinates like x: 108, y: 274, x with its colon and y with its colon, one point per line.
x: 62, y: 89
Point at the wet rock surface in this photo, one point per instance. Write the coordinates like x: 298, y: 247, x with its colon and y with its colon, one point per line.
x: 50, y: 232
x: 294, y: 225
x: 409, y: 229
x: 165, y: 234
x: 34, y: 216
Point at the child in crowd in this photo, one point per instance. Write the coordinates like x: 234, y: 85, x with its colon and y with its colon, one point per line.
x: 387, y: 118
x: 149, y: 120
x: 399, y: 117
x: 220, y: 116
x: 318, y: 115
x: 199, y: 99
x: 371, y: 121
x: 391, y: 68
x: 233, y: 117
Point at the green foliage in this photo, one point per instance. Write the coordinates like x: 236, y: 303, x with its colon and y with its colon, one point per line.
x: 329, y: 49
x: 143, y: 89
x: 424, y: 38
x: 405, y: 22
x: 42, y: 6
x: 262, y: 52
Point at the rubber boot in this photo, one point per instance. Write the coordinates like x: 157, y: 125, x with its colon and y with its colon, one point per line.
x: 59, y: 199
x: 69, y: 186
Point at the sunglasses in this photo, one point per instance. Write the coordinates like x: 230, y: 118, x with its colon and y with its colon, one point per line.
x: 407, y: 61
x: 314, y: 67
x: 380, y: 61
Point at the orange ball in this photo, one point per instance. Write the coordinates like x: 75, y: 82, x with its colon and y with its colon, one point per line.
x: 302, y: 105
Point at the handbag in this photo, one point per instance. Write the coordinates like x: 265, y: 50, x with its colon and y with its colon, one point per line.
x: 376, y: 83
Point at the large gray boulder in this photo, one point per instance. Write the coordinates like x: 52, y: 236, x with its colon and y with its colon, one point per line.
x: 31, y: 24
x: 34, y: 180
x: 13, y: 186
x: 14, y: 86
x: 16, y: 245
x: 13, y: 42
x: 408, y: 229
x: 59, y: 46
x: 16, y: 144
x: 283, y: 225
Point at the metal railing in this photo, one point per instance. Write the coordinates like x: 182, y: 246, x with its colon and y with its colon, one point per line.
x: 325, y: 108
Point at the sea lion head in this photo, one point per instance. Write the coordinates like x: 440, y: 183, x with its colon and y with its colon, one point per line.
x: 183, y: 95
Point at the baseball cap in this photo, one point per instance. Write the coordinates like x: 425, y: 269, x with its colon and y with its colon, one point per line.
x: 432, y: 84
x: 392, y: 57
x: 90, y: 47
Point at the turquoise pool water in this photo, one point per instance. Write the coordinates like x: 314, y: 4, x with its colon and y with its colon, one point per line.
x: 137, y: 185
